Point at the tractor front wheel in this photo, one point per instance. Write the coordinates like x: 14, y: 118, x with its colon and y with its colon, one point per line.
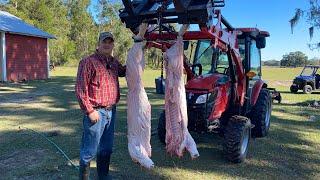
x: 260, y: 114
x: 236, y: 138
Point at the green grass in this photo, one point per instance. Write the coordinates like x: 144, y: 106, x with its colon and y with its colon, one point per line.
x: 290, y: 151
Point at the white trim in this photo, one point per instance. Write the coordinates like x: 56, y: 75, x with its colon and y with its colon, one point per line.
x: 48, y: 60
x: 3, y: 65
x: 31, y: 35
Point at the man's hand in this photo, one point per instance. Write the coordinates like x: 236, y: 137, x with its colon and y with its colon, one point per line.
x: 94, y: 116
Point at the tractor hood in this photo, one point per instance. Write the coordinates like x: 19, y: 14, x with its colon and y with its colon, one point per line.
x: 206, y: 82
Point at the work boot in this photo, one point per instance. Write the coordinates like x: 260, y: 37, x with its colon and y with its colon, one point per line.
x: 84, y: 172
x: 103, y: 162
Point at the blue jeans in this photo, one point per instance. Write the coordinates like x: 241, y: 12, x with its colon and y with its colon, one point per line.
x: 97, y: 137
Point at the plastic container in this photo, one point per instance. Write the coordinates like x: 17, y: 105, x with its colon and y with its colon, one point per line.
x: 160, y: 88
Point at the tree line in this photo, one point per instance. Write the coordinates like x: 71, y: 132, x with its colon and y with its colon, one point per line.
x: 76, y: 27
x: 293, y: 59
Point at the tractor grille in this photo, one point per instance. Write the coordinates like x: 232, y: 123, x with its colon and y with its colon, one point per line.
x: 197, y: 113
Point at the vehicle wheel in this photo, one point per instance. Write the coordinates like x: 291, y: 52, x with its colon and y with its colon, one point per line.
x: 236, y: 138
x: 162, y: 127
x: 51, y: 67
x: 293, y: 89
x: 279, y: 98
x: 261, y: 113
x: 307, y: 89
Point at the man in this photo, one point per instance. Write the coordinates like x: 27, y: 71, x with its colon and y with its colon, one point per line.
x: 97, y: 90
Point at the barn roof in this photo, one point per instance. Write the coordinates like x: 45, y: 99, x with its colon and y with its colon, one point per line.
x: 12, y: 24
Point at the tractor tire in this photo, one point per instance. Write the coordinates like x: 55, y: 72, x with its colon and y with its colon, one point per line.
x: 236, y: 138
x: 307, y: 89
x: 260, y: 114
x: 293, y: 89
x: 162, y: 127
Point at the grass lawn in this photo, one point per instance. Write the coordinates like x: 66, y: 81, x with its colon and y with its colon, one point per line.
x: 290, y: 151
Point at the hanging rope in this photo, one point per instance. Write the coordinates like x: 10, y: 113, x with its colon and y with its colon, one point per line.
x: 159, y: 20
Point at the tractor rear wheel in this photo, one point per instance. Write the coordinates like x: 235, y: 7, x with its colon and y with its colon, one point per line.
x: 236, y: 138
x: 261, y: 113
x: 162, y: 127
x: 307, y: 89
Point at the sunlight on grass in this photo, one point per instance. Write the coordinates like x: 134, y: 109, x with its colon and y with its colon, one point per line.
x: 181, y: 173
x: 64, y: 71
x: 5, y: 90
x: 275, y: 73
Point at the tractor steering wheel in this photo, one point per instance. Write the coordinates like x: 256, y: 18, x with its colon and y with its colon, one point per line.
x: 194, y: 67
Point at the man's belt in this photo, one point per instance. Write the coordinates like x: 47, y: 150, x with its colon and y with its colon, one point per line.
x: 108, y: 108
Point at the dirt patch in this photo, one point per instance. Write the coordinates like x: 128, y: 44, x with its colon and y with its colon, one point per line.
x: 28, y: 159
x: 282, y: 83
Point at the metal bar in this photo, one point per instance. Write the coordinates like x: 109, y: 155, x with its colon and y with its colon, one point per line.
x: 196, y: 15
x: 181, y: 5
x: 226, y: 23
x: 198, y: 91
x: 173, y: 20
x: 218, y: 3
x: 141, y: 6
x: 128, y: 6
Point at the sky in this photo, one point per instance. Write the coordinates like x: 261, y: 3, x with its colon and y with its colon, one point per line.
x: 272, y: 16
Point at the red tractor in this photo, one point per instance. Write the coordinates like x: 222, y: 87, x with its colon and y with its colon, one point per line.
x: 224, y: 91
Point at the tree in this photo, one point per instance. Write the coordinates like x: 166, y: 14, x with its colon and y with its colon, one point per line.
x: 82, y: 30
x: 75, y: 29
x: 271, y: 63
x: 294, y: 59
x: 50, y: 16
x: 312, y: 16
x: 314, y: 61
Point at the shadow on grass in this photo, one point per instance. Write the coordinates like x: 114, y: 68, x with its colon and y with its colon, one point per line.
x: 285, y: 153
x: 299, y: 92
x: 307, y: 103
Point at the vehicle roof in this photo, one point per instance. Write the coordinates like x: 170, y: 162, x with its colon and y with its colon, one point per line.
x: 311, y: 66
x: 254, y: 31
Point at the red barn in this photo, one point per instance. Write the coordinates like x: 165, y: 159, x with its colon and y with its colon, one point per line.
x: 24, y: 50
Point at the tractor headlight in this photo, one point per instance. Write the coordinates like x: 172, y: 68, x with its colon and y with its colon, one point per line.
x: 202, y: 98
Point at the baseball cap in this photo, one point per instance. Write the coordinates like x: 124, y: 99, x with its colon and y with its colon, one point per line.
x: 104, y: 35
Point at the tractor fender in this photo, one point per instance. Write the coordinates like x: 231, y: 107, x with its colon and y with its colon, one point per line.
x: 258, y: 85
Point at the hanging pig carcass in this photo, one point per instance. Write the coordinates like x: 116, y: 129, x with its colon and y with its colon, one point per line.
x: 178, y: 137
x: 138, y: 109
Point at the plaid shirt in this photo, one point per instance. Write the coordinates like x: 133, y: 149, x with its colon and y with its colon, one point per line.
x: 97, y: 81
